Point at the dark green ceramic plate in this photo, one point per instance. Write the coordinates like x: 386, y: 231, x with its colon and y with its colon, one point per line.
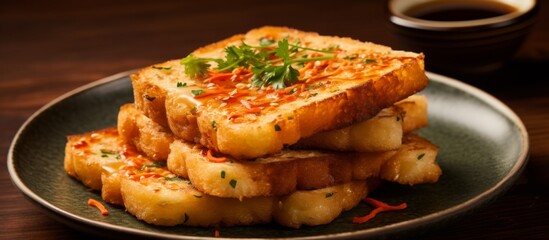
x: 483, y: 149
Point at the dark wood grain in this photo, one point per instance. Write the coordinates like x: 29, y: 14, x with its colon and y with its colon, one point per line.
x: 47, y: 49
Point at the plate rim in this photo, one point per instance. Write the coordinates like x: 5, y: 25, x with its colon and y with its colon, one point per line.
x: 459, y: 209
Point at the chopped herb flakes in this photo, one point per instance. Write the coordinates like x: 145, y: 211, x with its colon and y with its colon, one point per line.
x: 319, y: 84
x: 214, y: 125
x: 154, y: 165
x: 331, y: 48
x: 173, y: 178
x: 161, y: 68
x: 368, y: 61
x: 181, y: 84
x: 232, y: 183
x: 277, y: 128
x: 222, y: 173
x: 106, y: 153
x: 197, y: 92
x: 328, y: 195
x: 351, y: 57
x: 420, y: 156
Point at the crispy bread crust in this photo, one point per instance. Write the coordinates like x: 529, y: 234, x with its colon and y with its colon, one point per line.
x: 86, y: 153
x: 148, y: 136
x: 277, y: 175
x: 153, y: 194
x: 355, y: 102
x: 293, y: 170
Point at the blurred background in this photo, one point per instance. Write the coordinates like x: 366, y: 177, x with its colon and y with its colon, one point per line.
x: 48, y: 48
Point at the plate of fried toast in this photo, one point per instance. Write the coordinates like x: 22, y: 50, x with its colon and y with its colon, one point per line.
x: 275, y: 133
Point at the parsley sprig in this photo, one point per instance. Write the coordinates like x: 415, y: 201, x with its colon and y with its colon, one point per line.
x: 270, y: 66
x: 196, y: 67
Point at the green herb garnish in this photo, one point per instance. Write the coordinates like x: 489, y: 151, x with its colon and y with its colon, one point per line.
x: 278, y: 128
x: 351, y: 57
x: 181, y: 84
x: 269, y: 67
x: 420, y: 156
x: 176, y: 178
x: 232, y: 183
x: 222, y: 173
x: 196, y: 67
x: 161, y: 68
x: 197, y: 92
x: 154, y: 165
x: 329, y: 195
x: 105, y: 153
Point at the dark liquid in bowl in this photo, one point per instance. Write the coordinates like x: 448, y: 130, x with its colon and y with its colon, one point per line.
x: 458, y: 10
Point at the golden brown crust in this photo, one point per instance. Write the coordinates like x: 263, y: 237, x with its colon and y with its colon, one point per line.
x: 274, y: 176
x: 293, y: 170
x: 398, y: 76
x: 86, y: 153
x: 156, y: 196
x: 150, y: 98
x: 415, y: 162
x: 148, y: 136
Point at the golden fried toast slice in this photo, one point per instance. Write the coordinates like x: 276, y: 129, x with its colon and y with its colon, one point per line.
x: 380, y: 133
x: 252, y: 111
x: 276, y: 175
x: 86, y: 153
x: 415, y: 162
x: 90, y: 155
x: 321, y: 206
x: 169, y: 202
x: 291, y: 170
x: 173, y: 202
x: 383, y: 132
x: 415, y: 112
x: 149, y: 137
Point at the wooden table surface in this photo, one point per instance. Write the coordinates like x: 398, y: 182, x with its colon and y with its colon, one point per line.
x: 47, y: 49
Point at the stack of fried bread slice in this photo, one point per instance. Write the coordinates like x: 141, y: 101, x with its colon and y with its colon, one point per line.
x: 276, y: 125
